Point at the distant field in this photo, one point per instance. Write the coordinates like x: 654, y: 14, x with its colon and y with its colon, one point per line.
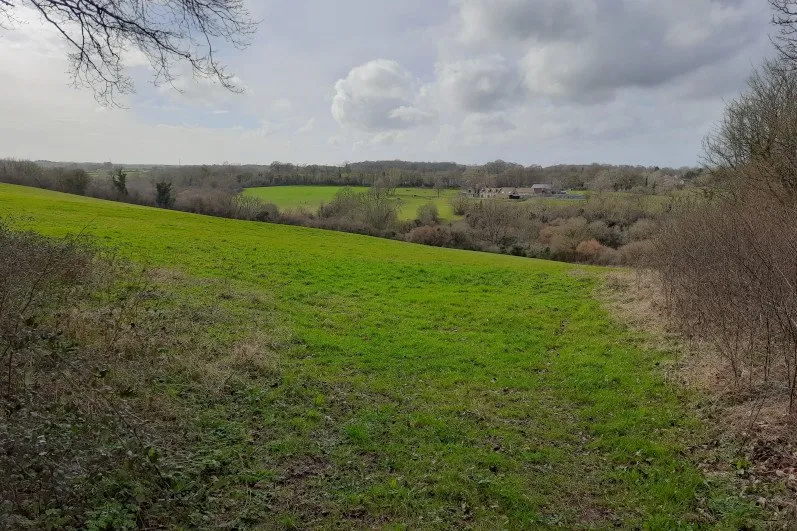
x: 405, y: 387
x: 311, y: 197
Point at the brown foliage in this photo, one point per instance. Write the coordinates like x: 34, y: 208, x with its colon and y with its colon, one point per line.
x: 728, y: 266
x: 589, y: 248
x: 729, y: 273
x: 428, y: 235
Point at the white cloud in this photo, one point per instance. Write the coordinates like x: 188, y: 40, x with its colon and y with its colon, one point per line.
x: 377, y: 96
x: 412, y: 115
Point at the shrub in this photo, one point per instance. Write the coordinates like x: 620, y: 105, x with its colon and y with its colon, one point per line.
x: 460, y: 204
x: 493, y: 220
x: 589, y: 249
x: 252, y: 208
x: 164, y: 194
x: 430, y: 235
x: 220, y: 203
x: 50, y: 423
x: 638, y: 253
x: 565, y: 237
x: 378, y: 210
x: 345, y: 202
x: 374, y: 209
x: 73, y: 181
x: 643, y: 229
x: 428, y: 215
x: 527, y: 229
x: 34, y: 273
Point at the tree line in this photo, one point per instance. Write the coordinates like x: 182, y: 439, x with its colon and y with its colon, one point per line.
x: 602, y: 177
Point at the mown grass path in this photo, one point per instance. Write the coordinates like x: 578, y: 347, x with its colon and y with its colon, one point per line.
x: 424, y: 387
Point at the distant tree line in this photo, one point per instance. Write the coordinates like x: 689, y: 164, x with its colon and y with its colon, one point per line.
x: 397, y: 173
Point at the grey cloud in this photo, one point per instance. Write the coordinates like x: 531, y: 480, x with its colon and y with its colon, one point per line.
x: 586, y: 50
x: 483, y: 20
x: 481, y: 84
x: 486, y: 128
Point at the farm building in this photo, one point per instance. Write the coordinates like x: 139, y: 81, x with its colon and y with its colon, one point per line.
x: 489, y: 192
x: 520, y: 193
x: 509, y: 192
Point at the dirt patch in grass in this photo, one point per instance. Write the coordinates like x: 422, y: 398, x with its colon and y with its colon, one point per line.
x: 750, y: 440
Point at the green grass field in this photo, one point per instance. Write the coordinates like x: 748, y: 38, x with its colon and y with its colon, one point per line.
x: 418, y: 387
x: 311, y: 197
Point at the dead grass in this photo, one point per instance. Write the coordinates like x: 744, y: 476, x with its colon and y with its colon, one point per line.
x: 250, y: 358
x: 750, y: 436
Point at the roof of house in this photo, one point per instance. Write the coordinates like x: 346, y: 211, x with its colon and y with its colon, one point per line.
x: 540, y: 186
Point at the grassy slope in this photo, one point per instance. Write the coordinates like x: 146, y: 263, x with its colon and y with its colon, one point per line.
x: 311, y: 197
x: 421, y: 386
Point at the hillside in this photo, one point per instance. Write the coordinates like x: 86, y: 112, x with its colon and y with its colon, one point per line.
x: 409, y: 385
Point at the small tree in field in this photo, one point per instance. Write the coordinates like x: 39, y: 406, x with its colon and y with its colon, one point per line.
x: 439, y: 186
x: 119, y: 182
x: 428, y: 215
x: 164, y: 194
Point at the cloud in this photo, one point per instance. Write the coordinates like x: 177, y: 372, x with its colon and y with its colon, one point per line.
x: 412, y: 115
x: 480, y: 128
x: 496, y: 20
x: 586, y: 50
x: 307, y: 127
x: 480, y: 84
x: 377, y: 96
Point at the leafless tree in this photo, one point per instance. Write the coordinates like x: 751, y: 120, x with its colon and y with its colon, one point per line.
x: 758, y: 132
x: 785, y: 19
x: 101, y: 33
x: 728, y: 264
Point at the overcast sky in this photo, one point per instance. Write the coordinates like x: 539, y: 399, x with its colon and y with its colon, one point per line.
x: 530, y: 81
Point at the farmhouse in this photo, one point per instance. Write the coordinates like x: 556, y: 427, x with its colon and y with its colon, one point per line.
x: 541, y: 189
x: 489, y: 192
x: 509, y: 192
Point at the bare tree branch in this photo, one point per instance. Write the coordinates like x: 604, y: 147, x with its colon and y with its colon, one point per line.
x: 785, y: 19
x: 101, y: 33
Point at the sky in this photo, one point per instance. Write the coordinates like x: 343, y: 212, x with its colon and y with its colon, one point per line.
x: 529, y: 81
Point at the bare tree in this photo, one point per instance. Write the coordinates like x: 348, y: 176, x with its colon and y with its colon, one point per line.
x: 758, y: 132
x: 101, y: 33
x: 785, y: 18
x: 728, y: 263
